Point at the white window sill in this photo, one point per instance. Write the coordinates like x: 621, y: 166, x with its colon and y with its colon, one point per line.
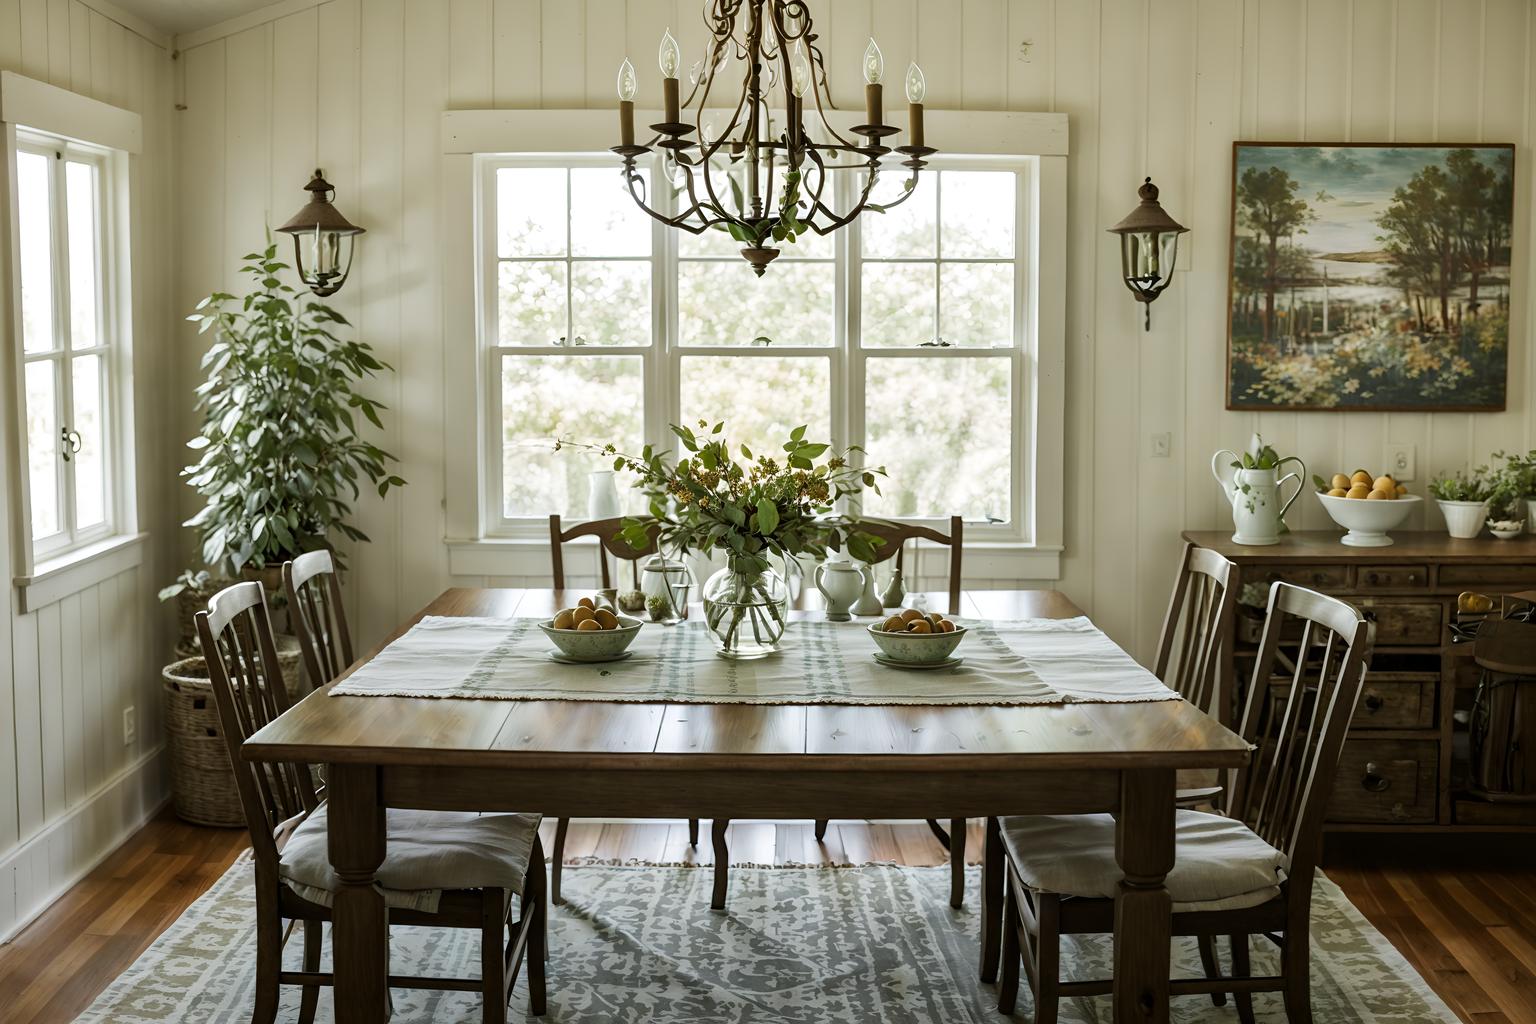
x: 529, y: 558
x: 56, y: 578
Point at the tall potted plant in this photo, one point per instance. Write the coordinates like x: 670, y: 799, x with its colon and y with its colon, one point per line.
x: 280, y: 462
x: 752, y: 507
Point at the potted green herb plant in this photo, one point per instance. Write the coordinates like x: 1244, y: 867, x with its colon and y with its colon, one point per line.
x: 754, y: 507
x: 280, y: 461
x: 1463, y: 500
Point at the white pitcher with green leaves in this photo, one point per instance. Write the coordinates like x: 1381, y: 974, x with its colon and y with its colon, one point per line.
x: 1252, y: 482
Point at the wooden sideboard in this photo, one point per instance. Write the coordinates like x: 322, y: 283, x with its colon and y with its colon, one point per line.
x: 1405, y: 764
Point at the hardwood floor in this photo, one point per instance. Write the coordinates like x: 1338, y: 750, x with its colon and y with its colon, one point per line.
x: 1465, y: 917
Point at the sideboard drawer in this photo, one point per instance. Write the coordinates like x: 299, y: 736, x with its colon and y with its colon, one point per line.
x: 1490, y: 576
x: 1404, y: 623
x: 1391, y: 577
x: 1396, y: 701
x: 1390, y: 781
x: 1317, y: 577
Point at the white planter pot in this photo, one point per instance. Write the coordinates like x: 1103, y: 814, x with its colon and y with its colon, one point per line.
x: 1464, y: 519
x: 1530, y: 515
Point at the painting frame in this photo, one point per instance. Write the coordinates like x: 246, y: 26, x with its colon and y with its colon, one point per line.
x: 1246, y: 371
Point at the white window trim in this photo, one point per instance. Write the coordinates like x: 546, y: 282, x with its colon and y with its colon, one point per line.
x: 468, y: 135
x: 117, y: 135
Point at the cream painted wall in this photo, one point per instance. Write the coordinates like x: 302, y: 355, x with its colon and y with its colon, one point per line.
x: 1158, y: 87
x: 70, y: 789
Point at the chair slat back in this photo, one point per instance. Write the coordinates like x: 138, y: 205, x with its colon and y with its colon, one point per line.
x: 896, y: 535
x: 1284, y: 792
x: 316, y: 615
x: 1199, y: 615
x: 608, y: 542
x: 236, y: 637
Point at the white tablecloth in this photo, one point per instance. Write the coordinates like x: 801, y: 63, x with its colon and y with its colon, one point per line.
x: 1033, y: 661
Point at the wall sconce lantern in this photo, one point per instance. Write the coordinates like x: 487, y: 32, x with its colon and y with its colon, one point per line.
x: 318, y: 231
x: 1149, y: 247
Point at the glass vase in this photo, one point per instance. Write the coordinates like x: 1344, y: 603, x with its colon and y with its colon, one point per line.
x: 746, y: 611
x: 668, y: 585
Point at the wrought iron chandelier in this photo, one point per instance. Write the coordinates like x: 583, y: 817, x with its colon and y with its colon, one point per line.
x: 765, y: 185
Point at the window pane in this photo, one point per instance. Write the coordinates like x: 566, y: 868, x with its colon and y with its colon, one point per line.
x: 760, y: 398
x: 942, y: 428
x: 605, y: 219
x: 530, y: 211
x: 611, y: 303
x: 90, y: 462
x: 976, y: 303
x: 977, y: 213
x: 80, y: 193
x: 724, y: 303
x: 43, y: 447
x: 905, y: 230
x: 530, y: 303
x: 596, y: 399
x: 32, y: 198
x: 897, y: 304
x: 717, y: 242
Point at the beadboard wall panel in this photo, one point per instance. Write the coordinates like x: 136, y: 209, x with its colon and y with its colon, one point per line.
x: 1159, y: 87
x: 70, y: 789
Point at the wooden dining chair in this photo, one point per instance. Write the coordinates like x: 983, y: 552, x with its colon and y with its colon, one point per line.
x: 608, y: 543
x: 441, y: 869
x: 316, y: 616
x: 1199, y: 614
x: 892, y: 538
x: 1241, y: 875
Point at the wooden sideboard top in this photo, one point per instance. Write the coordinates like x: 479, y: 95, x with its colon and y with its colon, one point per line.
x: 1323, y: 546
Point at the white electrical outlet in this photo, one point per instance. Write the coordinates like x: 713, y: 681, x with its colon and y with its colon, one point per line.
x: 1162, y: 445
x: 130, y: 724
x: 1398, y: 461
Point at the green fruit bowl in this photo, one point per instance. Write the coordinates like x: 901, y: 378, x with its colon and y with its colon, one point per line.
x: 593, y: 644
x: 917, y: 648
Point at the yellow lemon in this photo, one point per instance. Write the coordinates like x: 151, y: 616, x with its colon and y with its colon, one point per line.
x: 1359, y: 491
x: 919, y: 625
x: 910, y: 615
x: 581, y: 613
x: 565, y: 620
x: 945, y: 626
x: 1339, y: 492
x: 1384, y: 483
x: 894, y: 624
x: 586, y: 602
x: 1378, y: 496
x: 1360, y: 476
x: 606, y: 619
x: 1340, y: 482
x: 588, y: 625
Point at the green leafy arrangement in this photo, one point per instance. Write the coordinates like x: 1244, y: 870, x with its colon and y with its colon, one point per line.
x: 717, y: 496
x: 280, y: 462
x: 1458, y: 486
x: 1511, y: 484
x: 1258, y: 456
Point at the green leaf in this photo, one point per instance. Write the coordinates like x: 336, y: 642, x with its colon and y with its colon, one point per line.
x: 767, y: 516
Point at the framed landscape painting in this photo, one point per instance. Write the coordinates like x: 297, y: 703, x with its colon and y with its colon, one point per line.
x: 1369, y: 277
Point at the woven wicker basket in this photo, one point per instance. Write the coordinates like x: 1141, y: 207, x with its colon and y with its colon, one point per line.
x: 290, y: 660
x: 202, y: 781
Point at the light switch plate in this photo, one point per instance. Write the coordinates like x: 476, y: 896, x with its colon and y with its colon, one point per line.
x: 1162, y: 445
x: 1400, y: 461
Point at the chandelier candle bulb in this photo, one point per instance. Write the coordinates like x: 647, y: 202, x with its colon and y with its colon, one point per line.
x: 874, y: 71
x: 626, y: 87
x: 670, y: 100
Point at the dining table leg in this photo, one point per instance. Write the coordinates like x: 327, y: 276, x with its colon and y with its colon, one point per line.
x: 360, y: 926
x: 992, y: 874
x: 1144, y: 849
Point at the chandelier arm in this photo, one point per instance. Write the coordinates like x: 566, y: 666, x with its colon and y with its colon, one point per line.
x: 857, y: 208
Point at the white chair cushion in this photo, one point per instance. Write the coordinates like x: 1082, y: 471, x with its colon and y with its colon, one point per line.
x: 1219, y: 865
x: 427, y: 852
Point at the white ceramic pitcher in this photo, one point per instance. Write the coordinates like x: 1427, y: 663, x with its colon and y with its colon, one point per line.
x: 841, y: 582
x: 1257, y: 512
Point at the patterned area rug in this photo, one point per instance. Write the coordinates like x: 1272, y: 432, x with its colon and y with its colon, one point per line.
x: 797, y: 946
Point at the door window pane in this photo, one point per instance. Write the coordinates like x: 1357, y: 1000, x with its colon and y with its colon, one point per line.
x: 978, y: 210
x: 36, y: 240
x: 724, y: 303
x: 599, y: 399
x: 530, y: 211
x: 897, y: 304
x: 976, y: 303
x: 942, y: 427
x: 43, y: 448
x: 80, y: 211
x: 611, y: 302
x: 530, y: 303
x: 90, y: 462
x: 760, y: 398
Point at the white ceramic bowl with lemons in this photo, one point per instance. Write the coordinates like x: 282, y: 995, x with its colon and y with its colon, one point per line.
x: 593, y: 644
x: 1369, y: 520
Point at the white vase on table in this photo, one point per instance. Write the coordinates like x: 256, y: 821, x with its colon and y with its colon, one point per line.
x: 602, y: 495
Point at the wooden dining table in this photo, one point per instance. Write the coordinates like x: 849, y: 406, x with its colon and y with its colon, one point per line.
x: 720, y: 761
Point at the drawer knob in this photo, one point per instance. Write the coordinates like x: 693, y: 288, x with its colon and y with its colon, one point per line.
x: 1372, y: 577
x: 1373, y: 703
x: 1373, y: 781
